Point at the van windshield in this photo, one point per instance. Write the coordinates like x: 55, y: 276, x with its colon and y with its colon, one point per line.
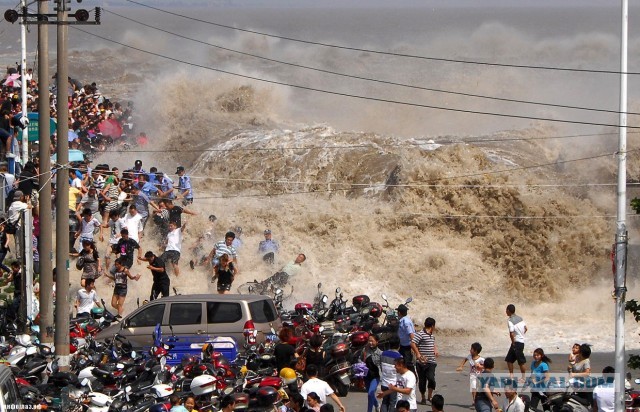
x: 262, y: 311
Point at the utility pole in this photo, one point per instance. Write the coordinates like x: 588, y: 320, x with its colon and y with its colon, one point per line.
x: 23, y: 88
x: 44, y: 136
x: 61, y: 336
x: 621, y: 240
x: 62, y: 195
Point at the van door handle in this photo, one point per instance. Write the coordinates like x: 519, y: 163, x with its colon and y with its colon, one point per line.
x: 200, y: 332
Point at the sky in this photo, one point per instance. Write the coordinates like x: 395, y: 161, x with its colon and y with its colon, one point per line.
x: 355, y: 3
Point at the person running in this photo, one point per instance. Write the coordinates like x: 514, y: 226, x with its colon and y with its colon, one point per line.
x: 320, y: 387
x: 175, y: 212
x: 120, y: 278
x: 161, y: 281
x: 133, y: 222
x: 125, y: 247
x: 88, y: 226
x: 224, y: 247
x: 87, y: 299
x: 539, y: 377
x: 114, y: 224
x: 426, y: 361
x: 89, y: 262
x: 476, y: 364
x: 225, y: 273
x: 517, y: 330
x: 173, y: 245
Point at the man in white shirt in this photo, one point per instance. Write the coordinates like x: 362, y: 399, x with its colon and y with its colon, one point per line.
x: 320, y: 387
x: 173, y: 246
x: 405, y: 385
x: 133, y: 222
x: 511, y: 401
x: 517, y: 330
x: 87, y: 298
x: 18, y: 206
x: 605, y: 393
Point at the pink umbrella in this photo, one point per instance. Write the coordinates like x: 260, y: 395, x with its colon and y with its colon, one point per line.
x: 13, y: 80
x: 110, y: 127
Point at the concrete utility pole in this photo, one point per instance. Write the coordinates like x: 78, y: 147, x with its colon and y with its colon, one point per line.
x: 621, y: 228
x: 44, y: 136
x: 62, y: 195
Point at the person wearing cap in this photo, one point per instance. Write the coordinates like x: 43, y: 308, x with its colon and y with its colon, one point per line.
x: 138, y: 170
x: 406, y: 333
x: 184, y: 186
x: 268, y: 247
x: 18, y: 206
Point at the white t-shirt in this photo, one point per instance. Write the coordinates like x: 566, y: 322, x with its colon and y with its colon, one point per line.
x: 86, y: 300
x: 517, y: 326
x: 407, y: 380
x: 77, y: 183
x: 15, y: 209
x: 133, y: 225
x: 88, y: 228
x: 604, y: 395
x: 320, y: 387
x: 516, y: 406
x: 174, y: 240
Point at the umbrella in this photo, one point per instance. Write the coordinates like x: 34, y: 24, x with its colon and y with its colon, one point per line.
x: 110, y: 127
x: 13, y: 80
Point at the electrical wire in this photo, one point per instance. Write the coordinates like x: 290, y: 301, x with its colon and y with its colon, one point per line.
x: 439, y: 59
x: 349, y: 95
x: 386, y: 82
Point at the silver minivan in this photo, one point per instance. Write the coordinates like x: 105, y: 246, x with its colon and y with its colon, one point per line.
x: 196, y: 319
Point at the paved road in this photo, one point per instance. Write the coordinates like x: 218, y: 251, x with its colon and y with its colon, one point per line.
x: 454, y: 386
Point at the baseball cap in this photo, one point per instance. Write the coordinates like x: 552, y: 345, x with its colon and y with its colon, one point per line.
x: 267, y: 232
x: 180, y: 169
x: 402, y: 308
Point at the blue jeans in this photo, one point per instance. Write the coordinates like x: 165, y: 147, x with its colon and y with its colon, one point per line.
x: 371, y: 394
x: 389, y: 401
x: 483, y: 405
x: 2, y: 265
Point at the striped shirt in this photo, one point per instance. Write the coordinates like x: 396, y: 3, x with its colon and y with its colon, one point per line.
x: 222, y: 248
x: 426, y: 344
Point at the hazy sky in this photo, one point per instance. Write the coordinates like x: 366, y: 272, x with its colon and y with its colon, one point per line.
x: 355, y: 3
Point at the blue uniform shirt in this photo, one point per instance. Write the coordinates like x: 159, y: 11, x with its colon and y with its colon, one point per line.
x: 405, y: 329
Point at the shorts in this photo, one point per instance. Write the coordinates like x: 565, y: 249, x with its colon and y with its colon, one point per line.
x: 120, y: 290
x: 224, y: 286
x: 516, y: 353
x: 473, y: 382
x: 172, y: 256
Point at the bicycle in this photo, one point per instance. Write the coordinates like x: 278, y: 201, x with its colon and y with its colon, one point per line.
x: 269, y: 286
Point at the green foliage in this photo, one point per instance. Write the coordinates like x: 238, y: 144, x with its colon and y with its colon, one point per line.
x: 9, y: 289
x: 635, y: 205
x: 633, y: 307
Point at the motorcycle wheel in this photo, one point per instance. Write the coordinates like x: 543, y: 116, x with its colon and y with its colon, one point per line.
x: 341, y: 389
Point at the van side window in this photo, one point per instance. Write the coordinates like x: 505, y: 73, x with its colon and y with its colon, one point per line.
x: 10, y: 392
x: 185, y: 314
x: 150, y: 316
x: 223, y: 312
x: 262, y: 311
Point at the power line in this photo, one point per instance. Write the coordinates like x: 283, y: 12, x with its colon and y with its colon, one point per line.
x: 440, y: 59
x: 386, y: 82
x: 349, y: 95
